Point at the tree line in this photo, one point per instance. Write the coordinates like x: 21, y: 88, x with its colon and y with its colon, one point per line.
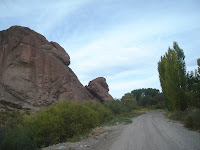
x: 145, y: 97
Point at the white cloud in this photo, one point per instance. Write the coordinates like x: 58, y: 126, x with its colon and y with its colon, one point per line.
x: 42, y: 16
x: 113, y: 49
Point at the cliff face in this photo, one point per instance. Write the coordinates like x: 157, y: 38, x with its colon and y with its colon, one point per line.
x: 35, y: 73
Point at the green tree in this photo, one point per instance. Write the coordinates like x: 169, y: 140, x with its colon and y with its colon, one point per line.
x: 129, y: 101
x: 128, y: 96
x: 158, y: 101
x: 172, y: 74
x: 138, y: 93
x: 115, y: 106
x: 193, y: 85
x: 152, y: 101
x: 145, y: 101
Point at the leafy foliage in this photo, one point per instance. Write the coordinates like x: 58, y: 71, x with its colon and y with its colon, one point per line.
x: 138, y: 93
x: 190, y: 118
x: 149, y: 97
x: 173, y: 79
x: 13, y: 135
x: 115, y: 106
x: 104, y: 114
x: 127, y: 103
x: 58, y: 123
x: 193, y: 85
x: 52, y: 125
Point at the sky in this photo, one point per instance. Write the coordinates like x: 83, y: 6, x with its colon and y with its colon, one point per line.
x: 121, y: 40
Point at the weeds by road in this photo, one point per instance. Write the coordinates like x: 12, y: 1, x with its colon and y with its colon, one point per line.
x: 190, y: 118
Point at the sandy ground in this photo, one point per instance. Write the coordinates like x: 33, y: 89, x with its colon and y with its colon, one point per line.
x: 150, y: 131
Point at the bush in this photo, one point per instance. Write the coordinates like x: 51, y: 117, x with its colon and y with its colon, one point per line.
x: 178, y: 115
x: 115, y: 106
x: 130, y: 105
x: 104, y: 114
x: 119, y: 107
x: 63, y: 122
x: 13, y: 135
x: 17, y: 139
x: 192, y: 120
x: 58, y: 123
x: 11, y: 117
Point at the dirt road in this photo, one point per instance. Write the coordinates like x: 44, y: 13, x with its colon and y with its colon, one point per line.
x: 152, y: 131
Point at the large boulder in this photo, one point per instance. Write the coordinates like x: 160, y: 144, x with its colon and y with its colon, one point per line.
x: 34, y: 72
x: 99, y: 88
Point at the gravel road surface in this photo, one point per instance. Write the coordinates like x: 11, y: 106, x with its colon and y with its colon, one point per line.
x: 151, y: 131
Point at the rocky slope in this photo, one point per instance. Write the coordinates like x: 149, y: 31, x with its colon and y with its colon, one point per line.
x: 35, y: 73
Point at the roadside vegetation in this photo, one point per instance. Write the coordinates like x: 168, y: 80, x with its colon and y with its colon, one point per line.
x: 181, y: 90
x: 190, y: 118
x: 66, y: 121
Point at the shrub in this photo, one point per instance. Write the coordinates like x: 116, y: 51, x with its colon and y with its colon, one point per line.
x: 64, y: 121
x: 178, y: 115
x: 13, y: 135
x: 11, y: 117
x: 58, y: 123
x: 115, y: 106
x: 124, y: 106
x: 17, y: 139
x: 192, y: 120
x: 104, y: 114
x: 130, y: 104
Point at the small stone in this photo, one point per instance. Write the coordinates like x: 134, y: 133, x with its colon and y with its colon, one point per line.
x: 61, y: 147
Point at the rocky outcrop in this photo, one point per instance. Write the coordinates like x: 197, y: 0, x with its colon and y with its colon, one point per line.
x: 34, y: 73
x: 99, y: 88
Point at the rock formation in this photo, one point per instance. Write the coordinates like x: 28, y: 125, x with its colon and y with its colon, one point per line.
x: 99, y: 88
x: 34, y: 72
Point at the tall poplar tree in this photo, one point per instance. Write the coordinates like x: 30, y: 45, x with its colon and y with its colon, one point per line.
x: 172, y: 74
x: 193, y: 85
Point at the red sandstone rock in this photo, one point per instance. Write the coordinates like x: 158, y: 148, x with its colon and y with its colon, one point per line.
x: 99, y: 88
x: 34, y: 73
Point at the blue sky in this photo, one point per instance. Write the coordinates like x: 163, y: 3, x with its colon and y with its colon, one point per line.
x: 121, y: 40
